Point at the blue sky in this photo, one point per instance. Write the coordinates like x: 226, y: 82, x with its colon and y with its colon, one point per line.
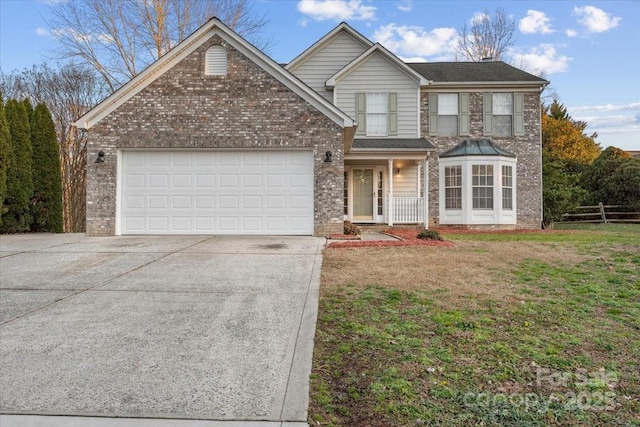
x: 589, y: 50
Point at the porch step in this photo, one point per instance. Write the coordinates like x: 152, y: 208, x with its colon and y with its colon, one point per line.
x: 375, y: 228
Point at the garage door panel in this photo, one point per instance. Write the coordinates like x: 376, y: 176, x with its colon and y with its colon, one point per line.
x: 159, y: 180
x: 228, y: 202
x: 229, y: 181
x: 209, y: 192
x: 181, y: 181
x: 205, y: 202
x: 157, y: 202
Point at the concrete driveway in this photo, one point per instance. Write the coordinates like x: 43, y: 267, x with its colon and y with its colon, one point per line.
x: 157, y: 327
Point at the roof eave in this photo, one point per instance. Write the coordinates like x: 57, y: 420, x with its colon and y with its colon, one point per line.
x: 527, y: 84
x: 157, y: 68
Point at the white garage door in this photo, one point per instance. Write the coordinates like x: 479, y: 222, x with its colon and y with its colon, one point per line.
x: 216, y: 192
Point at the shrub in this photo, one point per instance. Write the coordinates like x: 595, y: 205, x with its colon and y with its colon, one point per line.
x: 350, y: 228
x: 429, y: 235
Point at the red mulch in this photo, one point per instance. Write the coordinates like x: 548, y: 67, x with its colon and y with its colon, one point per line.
x: 407, y: 238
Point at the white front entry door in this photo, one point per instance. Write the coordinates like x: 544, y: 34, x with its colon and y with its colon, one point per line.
x: 367, y: 195
x: 216, y: 192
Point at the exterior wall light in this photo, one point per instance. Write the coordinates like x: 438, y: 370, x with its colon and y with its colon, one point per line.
x: 327, y: 157
x: 100, y: 158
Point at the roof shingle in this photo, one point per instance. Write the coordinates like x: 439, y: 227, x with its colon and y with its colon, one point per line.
x: 496, y: 71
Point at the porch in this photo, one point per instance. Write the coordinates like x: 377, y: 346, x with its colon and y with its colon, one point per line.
x: 386, y: 191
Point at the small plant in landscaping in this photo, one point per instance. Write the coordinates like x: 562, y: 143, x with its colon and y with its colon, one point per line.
x: 350, y: 228
x: 429, y: 235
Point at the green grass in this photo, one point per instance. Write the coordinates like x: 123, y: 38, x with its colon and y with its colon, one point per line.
x: 563, y: 350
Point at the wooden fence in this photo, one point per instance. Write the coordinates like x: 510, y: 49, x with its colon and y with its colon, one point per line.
x: 603, y: 214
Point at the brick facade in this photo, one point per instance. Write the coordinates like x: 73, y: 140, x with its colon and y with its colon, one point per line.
x: 527, y: 148
x: 244, y: 110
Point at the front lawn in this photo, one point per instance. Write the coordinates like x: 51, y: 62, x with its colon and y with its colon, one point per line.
x: 528, y: 329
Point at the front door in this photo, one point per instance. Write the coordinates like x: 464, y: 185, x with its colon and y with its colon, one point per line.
x: 363, y: 194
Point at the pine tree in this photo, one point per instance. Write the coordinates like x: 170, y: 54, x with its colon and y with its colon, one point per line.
x: 17, y: 217
x: 5, y: 155
x: 47, y: 183
x: 28, y: 108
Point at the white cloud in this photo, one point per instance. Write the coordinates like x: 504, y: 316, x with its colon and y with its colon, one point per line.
x: 302, y: 22
x: 479, y: 17
x: 81, y: 37
x: 414, y: 42
x: 41, y: 31
x: 571, y: 33
x: 405, y: 5
x: 542, y: 59
x: 338, y: 10
x: 595, y: 20
x: 613, y: 121
x: 632, y: 106
x: 535, y: 22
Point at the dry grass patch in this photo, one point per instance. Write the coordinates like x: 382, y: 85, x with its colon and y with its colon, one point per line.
x: 471, y: 269
x: 414, y: 335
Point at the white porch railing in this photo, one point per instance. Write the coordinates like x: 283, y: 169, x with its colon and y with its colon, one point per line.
x: 407, y: 210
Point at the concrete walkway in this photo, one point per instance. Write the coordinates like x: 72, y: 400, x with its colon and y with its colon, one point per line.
x: 184, y: 331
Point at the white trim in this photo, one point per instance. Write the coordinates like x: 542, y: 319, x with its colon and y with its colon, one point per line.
x: 213, y: 27
x: 467, y: 215
x: 118, y: 192
x: 401, y: 65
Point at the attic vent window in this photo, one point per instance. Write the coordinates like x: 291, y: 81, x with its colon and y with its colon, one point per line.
x: 216, y: 61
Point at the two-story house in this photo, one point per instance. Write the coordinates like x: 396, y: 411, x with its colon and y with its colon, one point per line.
x: 464, y: 131
x: 217, y: 138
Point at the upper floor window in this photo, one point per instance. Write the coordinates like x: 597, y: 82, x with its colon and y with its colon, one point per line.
x: 377, y: 113
x: 448, y: 114
x: 504, y: 114
x: 216, y: 61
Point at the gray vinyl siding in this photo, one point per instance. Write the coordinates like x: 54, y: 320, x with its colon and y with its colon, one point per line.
x: 405, y: 184
x: 377, y: 74
x: 327, y: 61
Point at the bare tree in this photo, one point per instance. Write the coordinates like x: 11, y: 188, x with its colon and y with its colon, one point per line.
x: 119, y: 38
x: 487, y: 37
x: 68, y: 92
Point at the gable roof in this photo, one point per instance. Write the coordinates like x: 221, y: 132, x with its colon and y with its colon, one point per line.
x: 376, y: 48
x: 496, y: 72
x: 212, y: 27
x: 342, y: 27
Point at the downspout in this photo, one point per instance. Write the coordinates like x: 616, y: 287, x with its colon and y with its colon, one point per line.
x: 426, y: 192
x: 390, y: 192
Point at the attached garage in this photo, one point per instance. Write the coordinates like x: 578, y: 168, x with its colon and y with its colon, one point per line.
x: 216, y: 192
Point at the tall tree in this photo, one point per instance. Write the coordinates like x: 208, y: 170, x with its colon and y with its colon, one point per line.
x: 119, y: 38
x: 17, y: 217
x: 564, y: 138
x: 68, y: 92
x: 561, y: 192
x: 5, y: 155
x: 487, y: 37
x: 47, y: 187
x: 614, y: 178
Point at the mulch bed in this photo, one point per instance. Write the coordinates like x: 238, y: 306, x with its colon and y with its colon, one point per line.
x: 407, y: 238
